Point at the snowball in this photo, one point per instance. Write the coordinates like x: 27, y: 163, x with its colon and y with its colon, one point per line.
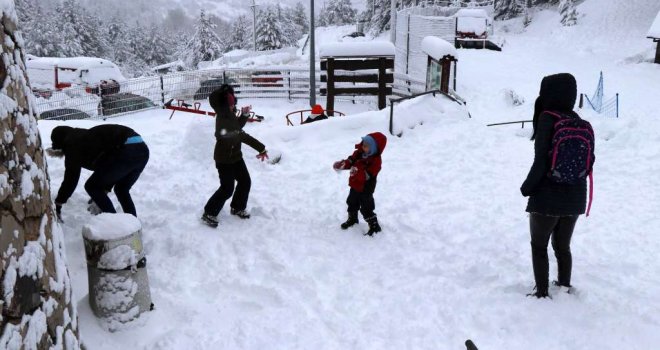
x: 109, y: 226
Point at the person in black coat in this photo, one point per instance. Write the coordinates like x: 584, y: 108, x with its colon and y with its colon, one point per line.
x: 554, y: 208
x: 228, y: 156
x: 115, y: 153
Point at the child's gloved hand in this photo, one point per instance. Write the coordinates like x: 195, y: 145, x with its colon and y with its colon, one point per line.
x: 341, y: 165
x: 263, y: 155
x: 246, y: 110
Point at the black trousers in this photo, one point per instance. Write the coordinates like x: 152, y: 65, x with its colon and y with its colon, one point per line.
x: 121, y: 170
x: 560, y: 228
x: 362, y: 201
x: 230, y: 174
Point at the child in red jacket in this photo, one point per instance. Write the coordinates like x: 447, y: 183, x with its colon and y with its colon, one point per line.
x: 365, y: 164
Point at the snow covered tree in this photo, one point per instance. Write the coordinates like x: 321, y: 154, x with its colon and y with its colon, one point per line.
x: 292, y: 30
x: 338, y: 12
x: 377, y: 16
x: 299, y: 17
x: 507, y: 9
x: 205, y: 45
x: 241, y: 34
x: 80, y: 31
x: 39, y: 29
x: 568, y: 12
x: 270, y: 35
x: 37, y: 305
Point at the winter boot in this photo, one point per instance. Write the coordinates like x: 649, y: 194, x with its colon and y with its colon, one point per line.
x: 373, y: 226
x: 243, y: 214
x: 352, y: 220
x: 568, y: 289
x: 539, y: 293
x: 210, y: 220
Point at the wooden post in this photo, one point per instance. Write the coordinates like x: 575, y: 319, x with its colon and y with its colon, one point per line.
x: 657, y: 52
x: 382, y: 87
x: 446, y: 72
x: 330, y: 105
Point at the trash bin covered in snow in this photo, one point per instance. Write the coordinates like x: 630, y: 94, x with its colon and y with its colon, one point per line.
x: 116, y: 269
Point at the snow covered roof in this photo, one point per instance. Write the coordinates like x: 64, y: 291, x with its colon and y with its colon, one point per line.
x: 479, y: 13
x: 69, y: 62
x: 358, y: 49
x: 438, y: 48
x: 654, y: 32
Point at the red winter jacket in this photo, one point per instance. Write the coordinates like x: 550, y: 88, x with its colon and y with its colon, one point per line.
x: 365, y: 170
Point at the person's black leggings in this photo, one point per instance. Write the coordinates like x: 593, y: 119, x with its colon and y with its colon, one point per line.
x: 119, y: 170
x: 560, y: 228
x: 230, y: 173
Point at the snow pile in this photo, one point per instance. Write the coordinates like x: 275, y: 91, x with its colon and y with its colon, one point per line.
x: 438, y: 48
x: 357, y: 49
x: 654, y: 31
x: 107, y: 226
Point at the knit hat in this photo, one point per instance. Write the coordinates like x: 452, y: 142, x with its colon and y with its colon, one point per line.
x: 371, y: 142
x: 59, y: 135
x: 317, y: 110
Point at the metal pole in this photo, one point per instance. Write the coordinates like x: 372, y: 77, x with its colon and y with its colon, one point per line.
x: 254, y: 26
x: 312, y: 57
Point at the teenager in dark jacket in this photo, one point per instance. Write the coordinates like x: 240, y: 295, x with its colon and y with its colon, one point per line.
x: 116, y: 154
x: 554, y: 208
x: 228, y: 157
x: 365, y: 164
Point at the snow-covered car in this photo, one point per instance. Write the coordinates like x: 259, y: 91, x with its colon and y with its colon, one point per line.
x: 208, y: 86
x: 63, y: 114
x: 122, y: 103
x: 58, y: 73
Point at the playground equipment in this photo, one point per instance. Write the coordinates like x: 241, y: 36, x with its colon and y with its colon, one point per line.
x: 195, y: 108
x: 304, y: 112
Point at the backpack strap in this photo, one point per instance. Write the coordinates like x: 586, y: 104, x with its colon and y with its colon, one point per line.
x: 591, y: 191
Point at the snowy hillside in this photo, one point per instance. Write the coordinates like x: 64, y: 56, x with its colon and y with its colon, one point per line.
x: 453, y: 260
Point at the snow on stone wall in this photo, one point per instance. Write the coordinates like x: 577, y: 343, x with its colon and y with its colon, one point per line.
x: 37, y: 309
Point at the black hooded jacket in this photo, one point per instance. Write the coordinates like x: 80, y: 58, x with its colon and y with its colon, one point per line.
x: 86, y: 148
x: 558, y: 93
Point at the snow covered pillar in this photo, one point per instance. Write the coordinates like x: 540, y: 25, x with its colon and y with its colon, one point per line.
x: 116, y: 269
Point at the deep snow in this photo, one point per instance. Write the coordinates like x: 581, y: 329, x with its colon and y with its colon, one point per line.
x: 453, y: 260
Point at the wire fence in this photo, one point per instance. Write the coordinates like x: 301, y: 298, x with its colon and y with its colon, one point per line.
x: 114, y: 99
x: 606, y: 107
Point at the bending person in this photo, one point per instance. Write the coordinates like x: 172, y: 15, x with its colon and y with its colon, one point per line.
x: 115, y: 153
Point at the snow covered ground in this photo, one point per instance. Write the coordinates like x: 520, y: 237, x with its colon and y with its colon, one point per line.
x: 453, y: 261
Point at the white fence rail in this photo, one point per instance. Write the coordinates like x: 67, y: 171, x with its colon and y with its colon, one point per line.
x: 154, y: 92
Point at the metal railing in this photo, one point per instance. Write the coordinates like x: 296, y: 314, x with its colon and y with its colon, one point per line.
x: 80, y: 102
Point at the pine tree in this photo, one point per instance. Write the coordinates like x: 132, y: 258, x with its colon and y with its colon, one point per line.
x: 292, y: 30
x: 568, y: 12
x: 270, y: 35
x: 378, y: 16
x: 241, y: 34
x: 205, y: 45
x: 300, y: 18
x: 507, y: 9
x: 338, y: 12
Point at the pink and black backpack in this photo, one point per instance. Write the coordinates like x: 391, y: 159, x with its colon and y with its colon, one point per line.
x: 572, y: 153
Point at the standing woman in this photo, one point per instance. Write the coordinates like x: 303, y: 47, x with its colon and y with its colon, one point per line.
x: 554, y: 206
x: 228, y: 157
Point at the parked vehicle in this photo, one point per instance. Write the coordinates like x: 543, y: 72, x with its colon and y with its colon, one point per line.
x: 63, y: 114
x: 122, y: 103
x: 56, y: 73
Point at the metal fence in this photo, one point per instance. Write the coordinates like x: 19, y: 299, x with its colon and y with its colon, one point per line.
x: 153, y: 92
